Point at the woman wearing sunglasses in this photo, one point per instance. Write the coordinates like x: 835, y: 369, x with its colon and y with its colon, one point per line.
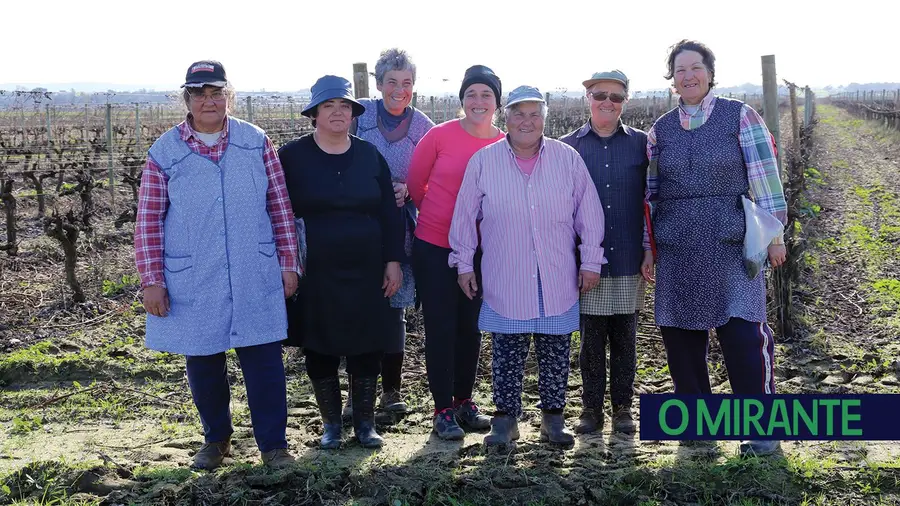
x: 616, y: 157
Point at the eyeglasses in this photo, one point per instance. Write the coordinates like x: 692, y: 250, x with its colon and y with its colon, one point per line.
x: 216, y: 96
x: 600, y: 96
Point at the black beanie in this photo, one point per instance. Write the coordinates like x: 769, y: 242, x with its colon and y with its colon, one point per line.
x: 483, y: 75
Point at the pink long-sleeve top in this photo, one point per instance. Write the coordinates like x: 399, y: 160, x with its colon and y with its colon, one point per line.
x: 435, y: 174
x: 529, y: 226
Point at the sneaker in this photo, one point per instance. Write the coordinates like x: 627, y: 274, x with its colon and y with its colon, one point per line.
x: 391, y: 402
x: 623, y: 421
x: 277, y: 459
x: 211, y: 455
x: 445, y: 425
x: 468, y: 416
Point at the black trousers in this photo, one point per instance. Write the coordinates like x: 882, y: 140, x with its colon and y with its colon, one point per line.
x: 319, y: 366
x: 747, y: 347
x: 620, y: 331
x: 452, y: 338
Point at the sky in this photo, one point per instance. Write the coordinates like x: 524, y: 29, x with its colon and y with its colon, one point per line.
x: 555, y: 45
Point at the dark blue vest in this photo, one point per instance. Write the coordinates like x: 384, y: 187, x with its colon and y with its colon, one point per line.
x: 618, y: 167
x: 702, y: 176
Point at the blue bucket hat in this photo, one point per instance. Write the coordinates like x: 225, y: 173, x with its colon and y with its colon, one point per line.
x: 524, y: 94
x: 329, y: 87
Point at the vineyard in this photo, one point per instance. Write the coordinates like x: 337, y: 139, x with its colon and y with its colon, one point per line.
x: 90, y: 416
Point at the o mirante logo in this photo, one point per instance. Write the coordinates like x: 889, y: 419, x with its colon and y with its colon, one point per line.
x: 781, y: 417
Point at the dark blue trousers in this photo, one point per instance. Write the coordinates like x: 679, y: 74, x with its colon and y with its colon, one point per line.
x: 266, y: 394
x: 748, y: 349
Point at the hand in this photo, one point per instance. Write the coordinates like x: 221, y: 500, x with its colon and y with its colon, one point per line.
x: 393, y: 278
x: 587, y: 280
x: 400, y: 193
x: 647, y: 267
x: 156, y: 301
x: 468, y: 284
x: 289, y: 280
x: 777, y: 255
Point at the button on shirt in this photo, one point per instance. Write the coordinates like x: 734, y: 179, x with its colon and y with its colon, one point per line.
x: 529, y: 226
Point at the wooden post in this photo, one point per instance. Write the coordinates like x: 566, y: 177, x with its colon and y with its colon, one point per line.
x: 770, y: 101
x: 137, y: 130
x: 49, y: 127
x: 669, y: 104
x: 807, y: 107
x: 360, y: 80
x: 433, y: 113
x: 109, y: 153
x: 415, y: 99
x: 293, y: 121
x: 795, y: 121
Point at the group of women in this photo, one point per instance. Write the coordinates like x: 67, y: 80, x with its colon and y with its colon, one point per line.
x: 511, y: 233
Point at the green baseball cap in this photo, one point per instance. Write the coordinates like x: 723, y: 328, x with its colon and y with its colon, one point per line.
x: 610, y: 75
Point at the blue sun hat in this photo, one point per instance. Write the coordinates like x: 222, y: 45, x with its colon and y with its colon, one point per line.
x: 329, y: 87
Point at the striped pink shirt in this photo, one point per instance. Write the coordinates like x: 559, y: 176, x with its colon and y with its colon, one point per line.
x: 529, y: 225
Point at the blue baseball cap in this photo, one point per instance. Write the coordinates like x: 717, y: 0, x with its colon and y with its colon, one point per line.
x: 329, y: 87
x: 524, y: 94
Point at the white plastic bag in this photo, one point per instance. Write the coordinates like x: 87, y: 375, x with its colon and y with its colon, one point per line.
x: 762, y: 227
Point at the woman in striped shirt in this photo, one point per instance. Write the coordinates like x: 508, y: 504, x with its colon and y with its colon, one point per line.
x: 534, y: 196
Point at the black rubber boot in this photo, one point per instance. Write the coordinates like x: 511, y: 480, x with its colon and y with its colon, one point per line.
x: 328, y: 397
x: 553, y: 429
x: 504, y: 430
x: 363, y: 391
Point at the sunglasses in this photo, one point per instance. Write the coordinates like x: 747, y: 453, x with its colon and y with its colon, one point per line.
x: 600, y: 96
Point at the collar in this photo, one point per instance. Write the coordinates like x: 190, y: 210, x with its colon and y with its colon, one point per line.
x: 704, y: 104
x: 513, y: 153
x: 587, y: 128
x: 188, y: 131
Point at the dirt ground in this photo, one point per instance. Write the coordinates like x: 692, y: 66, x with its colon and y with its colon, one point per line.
x: 90, y: 416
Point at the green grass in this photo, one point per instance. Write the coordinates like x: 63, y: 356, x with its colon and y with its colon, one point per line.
x: 118, y: 357
x: 112, y: 288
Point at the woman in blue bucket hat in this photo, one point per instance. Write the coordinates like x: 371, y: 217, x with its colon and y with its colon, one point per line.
x: 340, y: 185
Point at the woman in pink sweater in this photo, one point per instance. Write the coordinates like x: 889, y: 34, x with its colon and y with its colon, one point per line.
x: 453, y: 340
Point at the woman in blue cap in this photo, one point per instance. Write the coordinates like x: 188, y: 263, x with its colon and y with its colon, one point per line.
x: 340, y: 185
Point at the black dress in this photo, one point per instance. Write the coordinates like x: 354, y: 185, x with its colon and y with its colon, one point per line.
x: 353, y: 227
